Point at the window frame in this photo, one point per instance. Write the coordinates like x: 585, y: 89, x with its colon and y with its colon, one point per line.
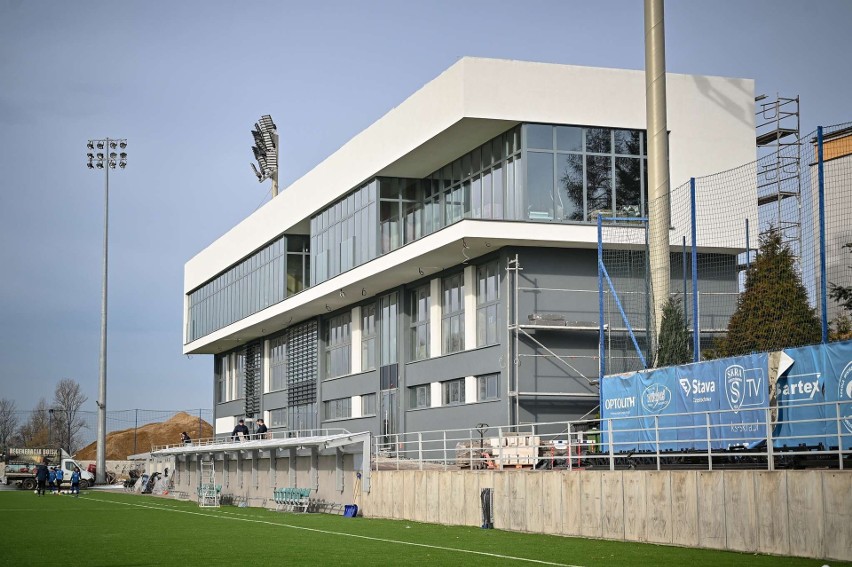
x: 420, y: 322
x: 451, y: 389
x: 487, y: 303
x: 451, y: 286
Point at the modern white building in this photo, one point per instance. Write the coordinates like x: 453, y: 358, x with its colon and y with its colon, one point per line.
x: 440, y: 269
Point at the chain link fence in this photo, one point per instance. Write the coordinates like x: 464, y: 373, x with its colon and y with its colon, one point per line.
x: 734, y: 231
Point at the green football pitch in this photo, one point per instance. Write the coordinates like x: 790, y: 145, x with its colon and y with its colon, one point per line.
x: 103, y: 528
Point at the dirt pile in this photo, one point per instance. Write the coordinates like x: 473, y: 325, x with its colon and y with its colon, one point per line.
x: 120, y: 444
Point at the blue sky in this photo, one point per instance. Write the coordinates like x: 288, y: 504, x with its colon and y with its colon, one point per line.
x: 185, y: 81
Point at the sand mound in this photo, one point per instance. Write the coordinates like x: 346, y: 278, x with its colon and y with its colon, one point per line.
x: 120, y: 444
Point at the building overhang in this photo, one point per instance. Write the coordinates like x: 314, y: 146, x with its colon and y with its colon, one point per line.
x: 451, y: 246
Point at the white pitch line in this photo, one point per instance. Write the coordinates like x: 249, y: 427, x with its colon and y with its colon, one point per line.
x: 370, y: 538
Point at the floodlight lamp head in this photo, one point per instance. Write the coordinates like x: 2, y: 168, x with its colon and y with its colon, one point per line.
x: 122, y: 144
x: 123, y: 155
x: 113, y: 155
x: 91, y: 165
x: 90, y: 145
x: 267, y: 123
x: 100, y: 145
x: 112, y: 163
x: 112, y: 145
x: 90, y: 155
x: 122, y: 164
x: 100, y: 165
x: 100, y: 155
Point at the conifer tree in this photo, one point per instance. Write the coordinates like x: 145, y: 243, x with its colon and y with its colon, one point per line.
x: 773, y: 311
x: 674, y: 346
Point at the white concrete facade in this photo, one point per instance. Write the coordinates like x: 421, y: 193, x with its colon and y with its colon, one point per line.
x: 710, y: 120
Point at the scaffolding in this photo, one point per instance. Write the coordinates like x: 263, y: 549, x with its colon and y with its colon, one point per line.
x: 535, y: 331
x: 779, y: 187
x: 208, y: 492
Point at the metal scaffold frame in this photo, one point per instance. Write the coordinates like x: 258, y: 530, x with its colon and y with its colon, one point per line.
x: 208, y: 492
x: 779, y: 187
x: 516, y: 331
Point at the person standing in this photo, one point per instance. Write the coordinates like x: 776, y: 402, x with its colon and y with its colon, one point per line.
x: 75, y: 482
x: 240, y: 431
x: 51, y: 479
x: 185, y: 438
x: 261, y: 429
x: 41, y: 478
x: 60, y: 476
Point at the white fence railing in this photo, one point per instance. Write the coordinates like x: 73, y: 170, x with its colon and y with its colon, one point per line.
x: 764, y: 439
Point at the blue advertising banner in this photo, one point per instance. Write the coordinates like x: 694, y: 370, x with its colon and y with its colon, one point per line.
x: 819, y: 373
x: 724, y: 403
x: 683, y: 407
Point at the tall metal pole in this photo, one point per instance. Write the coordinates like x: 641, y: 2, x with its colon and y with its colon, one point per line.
x: 696, y: 325
x: 658, y: 157
x: 106, y: 159
x: 100, y: 457
x: 822, y: 272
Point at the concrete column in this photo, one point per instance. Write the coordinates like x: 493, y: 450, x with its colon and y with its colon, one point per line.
x: 355, y: 336
x: 435, y: 317
x: 469, y: 389
x: 659, y: 211
x: 436, y: 394
x: 469, y: 307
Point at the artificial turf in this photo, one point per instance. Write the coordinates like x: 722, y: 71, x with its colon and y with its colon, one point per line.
x: 104, y: 528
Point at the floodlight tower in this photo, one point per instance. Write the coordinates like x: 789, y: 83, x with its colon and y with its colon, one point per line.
x: 106, y: 158
x: 265, y: 151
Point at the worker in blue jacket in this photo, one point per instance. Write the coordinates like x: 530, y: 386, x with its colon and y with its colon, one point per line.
x: 75, y: 482
x: 59, y: 477
x: 51, y: 479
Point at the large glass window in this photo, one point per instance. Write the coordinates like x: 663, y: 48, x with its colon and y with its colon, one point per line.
x: 368, y: 337
x: 302, y: 417
x: 344, y: 234
x: 278, y: 417
x: 247, y: 287
x: 389, y: 313
x: 232, y: 369
x: 340, y: 408
x: 420, y: 305
x: 420, y: 396
x: 298, y: 264
x: 575, y: 173
x: 277, y: 364
x: 453, y: 391
x: 338, y: 343
x: 368, y: 404
x: 486, y: 387
x: 452, y: 314
x: 487, y: 303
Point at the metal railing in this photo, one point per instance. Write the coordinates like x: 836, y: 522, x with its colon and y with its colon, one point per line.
x: 269, y: 435
x: 764, y: 439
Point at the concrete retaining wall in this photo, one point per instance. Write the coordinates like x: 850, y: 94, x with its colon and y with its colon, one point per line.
x: 799, y: 513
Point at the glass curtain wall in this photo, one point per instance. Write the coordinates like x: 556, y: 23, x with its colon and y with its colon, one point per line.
x: 268, y: 276
x: 576, y: 173
x: 344, y: 234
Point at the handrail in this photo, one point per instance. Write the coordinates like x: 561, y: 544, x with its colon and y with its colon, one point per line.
x: 578, y: 444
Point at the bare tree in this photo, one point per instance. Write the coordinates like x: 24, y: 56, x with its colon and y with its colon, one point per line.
x: 67, y: 400
x: 36, y: 431
x: 8, y: 422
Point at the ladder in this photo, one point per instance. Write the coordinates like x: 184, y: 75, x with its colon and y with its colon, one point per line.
x: 208, y: 492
